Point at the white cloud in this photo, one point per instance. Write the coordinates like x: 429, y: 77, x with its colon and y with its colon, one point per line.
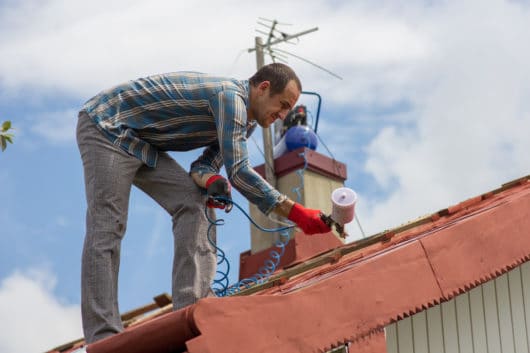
x: 472, y: 111
x: 32, y: 318
x: 56, y: 127
x: 461, y: 68
x: 81, y: 48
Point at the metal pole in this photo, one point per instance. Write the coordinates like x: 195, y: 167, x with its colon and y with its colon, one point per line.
x: 267, y: 134
x: 261, y: 240
x: 260, y: 57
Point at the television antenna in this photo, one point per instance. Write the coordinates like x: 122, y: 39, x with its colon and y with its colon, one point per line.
x: 275, y: 36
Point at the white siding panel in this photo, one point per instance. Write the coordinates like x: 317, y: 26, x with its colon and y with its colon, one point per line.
x: 505, y: 314
x: 463, y: 323
x: 492, y: 318
x: 517, y: 310
x: 405, y: 336
x: 525, y: 280
x: 419, y: 328
x: 493, y: 334
x: 435, y: 330
x: 449, y: 326
x: 391, y: 338
x: 478, y: 318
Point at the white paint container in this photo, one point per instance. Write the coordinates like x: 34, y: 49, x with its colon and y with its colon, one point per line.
x: 343, y: 200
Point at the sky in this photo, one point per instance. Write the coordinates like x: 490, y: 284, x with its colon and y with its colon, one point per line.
x: 433, y: 108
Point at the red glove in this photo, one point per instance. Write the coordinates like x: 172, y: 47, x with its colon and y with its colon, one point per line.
x: 308, y: 220
x: 217, y: 186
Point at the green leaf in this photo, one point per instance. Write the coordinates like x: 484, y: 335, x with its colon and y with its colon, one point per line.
x: 9, y: 138
x: 6, y: 125
x: 3, y: 143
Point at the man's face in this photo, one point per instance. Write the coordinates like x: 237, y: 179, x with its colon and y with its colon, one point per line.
x: 266, y: 108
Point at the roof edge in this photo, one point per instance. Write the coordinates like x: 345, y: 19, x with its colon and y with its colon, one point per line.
x: 385, y: 236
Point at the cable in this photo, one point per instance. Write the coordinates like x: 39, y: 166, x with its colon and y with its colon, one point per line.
x: 309, y: 62
x: 220, y: 284
x: 300, y: 172
x: 325, y: 146
x: 334, y: 163
x: 232, y: 67
x: 227, y: 200
x: 359, y: 224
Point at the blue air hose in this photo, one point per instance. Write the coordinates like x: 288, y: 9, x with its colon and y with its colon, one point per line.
x: 220, y: 284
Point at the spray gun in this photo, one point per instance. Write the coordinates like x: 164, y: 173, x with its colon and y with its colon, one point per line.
x: 343, y: 210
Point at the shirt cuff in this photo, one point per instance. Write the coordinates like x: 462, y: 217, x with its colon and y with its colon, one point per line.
x: 268, y: 206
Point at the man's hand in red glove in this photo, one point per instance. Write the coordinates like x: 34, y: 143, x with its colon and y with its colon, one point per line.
x: 217, y: 186
x: 308, y: 220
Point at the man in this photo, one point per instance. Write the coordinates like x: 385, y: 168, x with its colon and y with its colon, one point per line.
x: 123, y: 134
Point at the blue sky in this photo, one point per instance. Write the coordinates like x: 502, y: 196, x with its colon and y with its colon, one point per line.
x: 433, y: 108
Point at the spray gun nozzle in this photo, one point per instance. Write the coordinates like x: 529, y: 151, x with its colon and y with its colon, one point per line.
x: 339, y: 228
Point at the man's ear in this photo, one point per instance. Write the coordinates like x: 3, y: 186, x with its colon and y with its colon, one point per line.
x: 263, y: 86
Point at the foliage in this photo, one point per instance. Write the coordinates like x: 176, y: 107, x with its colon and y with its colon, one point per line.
x: 5, y: 137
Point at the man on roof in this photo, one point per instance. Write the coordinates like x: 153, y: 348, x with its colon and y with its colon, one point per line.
x: 123, y: 134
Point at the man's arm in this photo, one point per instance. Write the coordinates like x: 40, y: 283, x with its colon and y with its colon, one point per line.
x: 230, y: 114
x: 201, y: 180
x: 229, y: 110
x: 283, y: 208
x: 308, y: 220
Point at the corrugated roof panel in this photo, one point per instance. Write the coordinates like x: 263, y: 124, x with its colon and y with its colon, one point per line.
x: 350, y: 293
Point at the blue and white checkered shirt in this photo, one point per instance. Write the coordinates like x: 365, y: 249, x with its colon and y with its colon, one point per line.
x: 182, y: 111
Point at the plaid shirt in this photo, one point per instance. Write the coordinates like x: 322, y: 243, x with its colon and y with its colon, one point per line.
x: 182, y: 111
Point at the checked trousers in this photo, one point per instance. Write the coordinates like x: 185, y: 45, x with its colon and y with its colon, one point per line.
x: 109, y: 174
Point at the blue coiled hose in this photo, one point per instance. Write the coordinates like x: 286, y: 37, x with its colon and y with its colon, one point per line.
x: 220, y: 285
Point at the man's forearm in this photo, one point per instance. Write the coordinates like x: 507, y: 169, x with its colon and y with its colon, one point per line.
x: 283, y: 208
x: 201, y: 179
x: 308, y: 220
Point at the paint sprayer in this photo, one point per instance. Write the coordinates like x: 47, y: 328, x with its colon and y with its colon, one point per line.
x: 343, y: 210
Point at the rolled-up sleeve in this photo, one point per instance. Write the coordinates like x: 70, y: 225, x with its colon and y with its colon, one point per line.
x: 209, y: 162
x: 230, y: 114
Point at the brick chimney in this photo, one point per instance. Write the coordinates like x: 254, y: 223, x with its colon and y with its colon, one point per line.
x: 315, y: 176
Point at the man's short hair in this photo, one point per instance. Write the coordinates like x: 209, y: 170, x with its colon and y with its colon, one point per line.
x: 278, y: 75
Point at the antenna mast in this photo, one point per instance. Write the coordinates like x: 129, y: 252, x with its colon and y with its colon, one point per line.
x: 274, y: 36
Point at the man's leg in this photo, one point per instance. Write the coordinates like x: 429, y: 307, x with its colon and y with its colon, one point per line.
x: 108, y: 178
x: 194, y: 261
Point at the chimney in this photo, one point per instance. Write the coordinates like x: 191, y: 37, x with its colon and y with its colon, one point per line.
x: 314, y: 176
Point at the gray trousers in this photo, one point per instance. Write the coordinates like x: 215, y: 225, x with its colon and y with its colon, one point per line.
x: 109, y: 173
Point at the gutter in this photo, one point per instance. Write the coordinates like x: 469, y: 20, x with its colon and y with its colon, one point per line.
x: 167, y: 333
